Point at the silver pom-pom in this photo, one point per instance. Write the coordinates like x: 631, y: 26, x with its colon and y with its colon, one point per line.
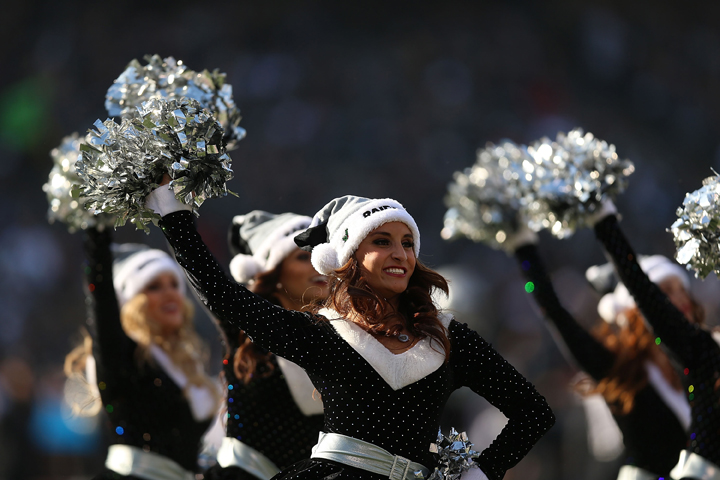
x: 170, y: 79
x: 568, y: 178
x: 123, y: 163
x: 62, y: 190
x: 454, y: 455
x: 696, y: 231
x: 483, y: 200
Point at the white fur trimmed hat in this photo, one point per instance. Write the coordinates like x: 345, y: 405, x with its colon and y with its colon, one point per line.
x: 657, y: 268
x: 338, y: 228
x: 260, y: 241
x: 137, y: 265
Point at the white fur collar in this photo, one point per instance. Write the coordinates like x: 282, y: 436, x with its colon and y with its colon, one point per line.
x: 398, y: 370
x: 301, y: 387
x: 674, y: 399
x: 201, y: 400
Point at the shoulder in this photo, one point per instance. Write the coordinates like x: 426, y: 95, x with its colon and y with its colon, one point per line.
x: 464, y: 339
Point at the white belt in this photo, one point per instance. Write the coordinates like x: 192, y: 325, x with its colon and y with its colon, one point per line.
x: 692, y: 465
x: 366, y: 456
x: 234, y: 453
x: 629, y: 472
x: 128, y: 460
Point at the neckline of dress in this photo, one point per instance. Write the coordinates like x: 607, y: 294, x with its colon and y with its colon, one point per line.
x: 397, y: 369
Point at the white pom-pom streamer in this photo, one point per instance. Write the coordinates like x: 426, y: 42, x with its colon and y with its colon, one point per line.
x: 454, y: 456
x: 62, y: 189
x: 697, y: 230
x: 568, y: 179
x: 170, y: 79
x: 123, y: 163
x: 483, y: 200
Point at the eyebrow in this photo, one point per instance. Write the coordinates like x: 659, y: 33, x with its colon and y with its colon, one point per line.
x: 386, y: 234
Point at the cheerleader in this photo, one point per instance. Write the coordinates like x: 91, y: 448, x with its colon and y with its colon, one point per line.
x: 383, y: 358
x: 673, y: 316
x: 145, y: 363
x: 273, y: 418
x: 630, y: 371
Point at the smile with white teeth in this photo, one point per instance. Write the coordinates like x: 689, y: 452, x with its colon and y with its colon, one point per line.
x: 395, y: 270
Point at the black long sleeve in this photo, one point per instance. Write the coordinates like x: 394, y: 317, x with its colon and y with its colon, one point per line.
x: 358, y: 402
x: 688, y: 341
x: 146, y: 409
x: 112, y: 348
x: 693, y: 345
x: 529, y: 416
x: 590, y: 354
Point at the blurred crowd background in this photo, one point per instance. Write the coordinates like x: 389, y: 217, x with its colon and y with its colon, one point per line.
x: 379, y: 99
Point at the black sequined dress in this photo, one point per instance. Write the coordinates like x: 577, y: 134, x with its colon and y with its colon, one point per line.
x: 652, y: 433
x: 692, y: 345
x: 358, y: 402
x: 264, y: 415
x: 145, y: 408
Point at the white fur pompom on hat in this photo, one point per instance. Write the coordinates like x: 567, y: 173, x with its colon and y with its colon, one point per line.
x: 261, y: 241
x: 340, y: 226
x: 244, y: 267
x: 325, y: 259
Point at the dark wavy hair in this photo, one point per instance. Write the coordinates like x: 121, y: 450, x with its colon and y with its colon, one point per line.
x: 633, y: 345
x: 350, y: 292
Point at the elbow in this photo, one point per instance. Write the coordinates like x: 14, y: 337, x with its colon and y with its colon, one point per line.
x: 543, y: 416
x: 546, y: 417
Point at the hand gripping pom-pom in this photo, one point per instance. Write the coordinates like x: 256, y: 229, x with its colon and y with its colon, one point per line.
x: 123, y: 163
x: 324, y: 258
x: 170, y: 79
x: 696, y: 231
x: 568, y: 179
x: 483, y: 201
x: 454, y: 456
x: 62, y: 189
x: 243, y: 268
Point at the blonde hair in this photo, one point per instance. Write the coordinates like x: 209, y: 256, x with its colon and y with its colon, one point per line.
x: 184, y: 348
x: 82, y: 397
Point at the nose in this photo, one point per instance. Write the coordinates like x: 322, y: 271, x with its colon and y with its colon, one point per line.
x: 399, y: 253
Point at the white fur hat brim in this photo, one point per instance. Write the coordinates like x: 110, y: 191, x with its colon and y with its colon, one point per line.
x: 132, y: 275
x: 274, y: 247
x: 345, y: 239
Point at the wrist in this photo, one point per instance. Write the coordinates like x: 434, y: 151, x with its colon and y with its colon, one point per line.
x: 607, y: 208
x: 162, y: 201
x: 522, y: 237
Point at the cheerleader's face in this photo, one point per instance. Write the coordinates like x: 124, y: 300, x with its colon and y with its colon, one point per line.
x: 300, y: 282
x: 165, y: 302
x: 387, y: 259
x: 679, y: 297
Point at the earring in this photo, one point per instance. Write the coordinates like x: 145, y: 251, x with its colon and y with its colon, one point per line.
x: 279, y: 286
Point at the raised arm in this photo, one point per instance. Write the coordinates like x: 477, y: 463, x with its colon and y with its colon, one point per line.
x: 588, y: 352
x: 478, y: 366
x: 112, y: 347
x: 283, y: 332
x: 688, y: 341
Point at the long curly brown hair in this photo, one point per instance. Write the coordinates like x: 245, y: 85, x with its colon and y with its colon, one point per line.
x: 349, y: 292
x: 633, y: 345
